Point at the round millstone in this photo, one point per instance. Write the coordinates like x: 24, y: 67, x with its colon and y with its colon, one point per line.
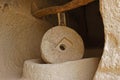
x: 61, y: 44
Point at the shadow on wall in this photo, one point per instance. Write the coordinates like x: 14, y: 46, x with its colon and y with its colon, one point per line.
x: 88, y: 23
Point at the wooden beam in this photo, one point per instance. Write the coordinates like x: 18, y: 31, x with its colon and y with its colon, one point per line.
x: 56, y: 9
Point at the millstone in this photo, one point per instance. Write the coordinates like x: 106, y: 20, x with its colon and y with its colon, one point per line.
x: 61, y: 44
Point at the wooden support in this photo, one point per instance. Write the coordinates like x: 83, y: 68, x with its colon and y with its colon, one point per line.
x: 57, y: 9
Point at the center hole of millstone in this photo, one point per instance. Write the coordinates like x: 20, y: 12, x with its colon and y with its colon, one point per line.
x: 62, y: 47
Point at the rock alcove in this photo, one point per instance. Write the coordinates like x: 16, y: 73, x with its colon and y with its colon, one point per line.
x: 21, y: 34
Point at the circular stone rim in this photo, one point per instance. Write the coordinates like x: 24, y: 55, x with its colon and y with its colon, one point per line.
x: 47, y: 60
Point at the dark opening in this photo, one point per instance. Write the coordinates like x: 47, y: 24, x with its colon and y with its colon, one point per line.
x: 62, y: 47
x: 88, y: 23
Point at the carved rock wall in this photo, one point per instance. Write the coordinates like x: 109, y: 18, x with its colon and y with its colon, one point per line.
x: 109, y: 67
x: 20, y: 36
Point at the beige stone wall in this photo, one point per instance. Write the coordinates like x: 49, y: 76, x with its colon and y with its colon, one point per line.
x: 20, y: 36
x: 109, y: 67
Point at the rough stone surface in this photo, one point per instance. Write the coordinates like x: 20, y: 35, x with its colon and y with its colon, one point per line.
x: 83, y: 69
x: 109, y: 67
x: 61, y: 44
x: 20, y: 37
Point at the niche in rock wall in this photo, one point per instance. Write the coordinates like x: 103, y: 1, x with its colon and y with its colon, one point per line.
x: 87, y: 21
x: 22, y: 42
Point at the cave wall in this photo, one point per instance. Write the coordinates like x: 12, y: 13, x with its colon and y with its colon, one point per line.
x: 20, y: 36
x: 109, y: 67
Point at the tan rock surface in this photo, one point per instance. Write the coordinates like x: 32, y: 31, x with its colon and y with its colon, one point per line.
x: 61, y: 44
x: 83, y: 69
x: 20, y: 37
x: 109, y: 67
